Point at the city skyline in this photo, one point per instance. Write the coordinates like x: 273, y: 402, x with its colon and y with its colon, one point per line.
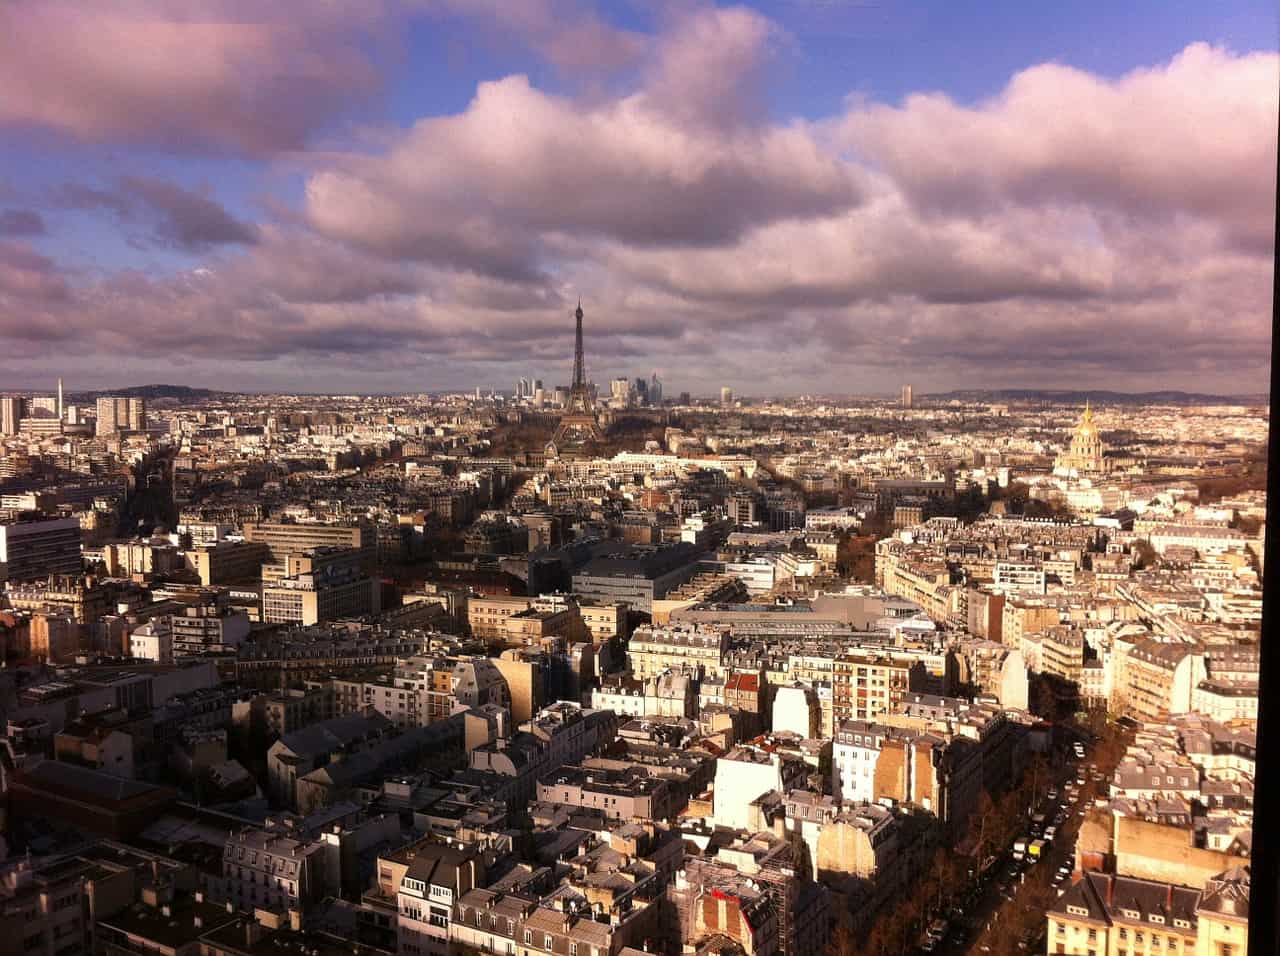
x: 784, y: 198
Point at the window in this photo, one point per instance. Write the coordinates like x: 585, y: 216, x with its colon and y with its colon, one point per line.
x: 1093, y: 934
x: 546, y: 942
x: 528, y: 937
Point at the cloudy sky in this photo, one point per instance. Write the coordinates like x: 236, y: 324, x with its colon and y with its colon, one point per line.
x: 787, y: 196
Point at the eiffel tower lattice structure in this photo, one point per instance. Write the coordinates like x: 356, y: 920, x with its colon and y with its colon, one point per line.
x: 578, y: 424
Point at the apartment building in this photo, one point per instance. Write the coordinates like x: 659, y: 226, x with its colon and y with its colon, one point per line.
x: 865, y: 685
x: 282, y: 539
x: 327, y: 595
x: 1106, y: 914
x: 1155, y: 680
x: 226, y: 562
x: 699, y: 651
x: 269, y: 870
x: 39, y: 549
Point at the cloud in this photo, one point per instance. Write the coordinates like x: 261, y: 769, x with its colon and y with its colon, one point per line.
x: 170, y: 214
x: 1196, y: 137
x: 569, y: 34
x: 222, y: 75
x: 21, y: 222
x: 710, y: 67
x: 189, y: 219
x: 1075, y: 229
x: 486, y: 188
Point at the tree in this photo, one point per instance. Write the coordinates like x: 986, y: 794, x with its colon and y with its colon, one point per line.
x: 1144, y: 555
x: 983, y: 824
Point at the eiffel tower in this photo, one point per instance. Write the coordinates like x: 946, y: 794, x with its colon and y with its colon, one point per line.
x: 578, y: 424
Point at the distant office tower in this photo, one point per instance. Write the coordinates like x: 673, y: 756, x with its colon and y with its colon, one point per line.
x: 43, y: 406
x: 655, y: 390
x: 60, y: 409
x: 12, y: 411
x: 38, y: 549
x: 113, y: 415
x: 908, y: 400
x: 642, y: 391
x: 137, y: 414
x: 726, y: 395
x: 620, y: 391
x: 685, y: 398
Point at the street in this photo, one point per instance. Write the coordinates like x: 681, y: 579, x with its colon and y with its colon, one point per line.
x: 1005, y: 911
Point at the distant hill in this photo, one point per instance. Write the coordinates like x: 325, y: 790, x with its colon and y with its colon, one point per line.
x: 1074, y: 397
x: 154, y: 392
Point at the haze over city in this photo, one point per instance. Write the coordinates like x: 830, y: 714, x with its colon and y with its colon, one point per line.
x: 785, y: 197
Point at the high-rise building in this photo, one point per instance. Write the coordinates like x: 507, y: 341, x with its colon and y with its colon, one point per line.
x: 137, y: 414
x: 655, y: 390
x: 113, y: 415
x: 43, y: 406
x: 908, y: 399
x: 641, y: 391
x: 620, y: 391
x: 726, y: 395
x: 12, y: 411
x: 60, y: 409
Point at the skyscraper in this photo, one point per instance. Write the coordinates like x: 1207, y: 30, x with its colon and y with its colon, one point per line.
x: 120, y: 414
x: 137, y: 414
x: 108, y: 423
x: 12, y: 411
x: 908, y: 400
x: 655, y: 390
x: 61, y: 414
x: 620, y: 391
x: 726, y: 395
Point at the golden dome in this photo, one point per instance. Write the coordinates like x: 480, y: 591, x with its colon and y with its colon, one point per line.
x: 1086, y: 426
